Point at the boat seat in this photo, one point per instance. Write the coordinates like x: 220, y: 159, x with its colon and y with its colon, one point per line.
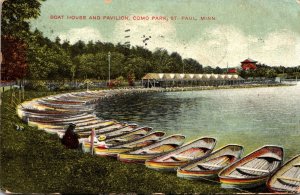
x: 128, y: 147
x: 163, y: 148
x: 270, y: 156
x: 296, y: 165
x: 119, y: 140
x: 204, y: 149
x: 253, y: 169
x: 181, y: 157
x: 289, y: 179
x: 126, y: 131
x: 209, y: 165
x: 140, y: 134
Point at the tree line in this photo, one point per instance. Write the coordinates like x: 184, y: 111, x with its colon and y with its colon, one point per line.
x: 30, y: 55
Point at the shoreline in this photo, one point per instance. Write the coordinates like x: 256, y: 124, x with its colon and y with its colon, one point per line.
x: 196, y: 88
x: 200, y: 88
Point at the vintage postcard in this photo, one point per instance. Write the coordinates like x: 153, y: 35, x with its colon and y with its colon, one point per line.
x: 150, y: 96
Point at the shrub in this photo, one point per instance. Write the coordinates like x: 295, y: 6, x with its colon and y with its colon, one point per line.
x: 36, y: 85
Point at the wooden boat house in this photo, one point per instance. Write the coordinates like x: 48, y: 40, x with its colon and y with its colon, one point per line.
x: 181, y: 80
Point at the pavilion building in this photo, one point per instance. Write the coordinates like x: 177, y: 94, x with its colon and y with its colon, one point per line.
x: 181, y: 80
x: 248, y: 64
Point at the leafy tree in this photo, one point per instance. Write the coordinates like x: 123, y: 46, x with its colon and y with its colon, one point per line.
x: 135, y: 66
x: 14, y: 65
x: 192, y: 66
x: 57, y: 41
x: 116, y: 65
x: 271, y: 73
x: 218, y: 70
x: 47, y: 63
x: 208, y: 70
x: 66, y: 45
x: 16, y: 15
x: 176, y: 62
x: 86, y: 65
x: 78, y: 48
x: 47, y: 60
x: 90, y: 47
x: 14, y: 18
x: 161, y: 60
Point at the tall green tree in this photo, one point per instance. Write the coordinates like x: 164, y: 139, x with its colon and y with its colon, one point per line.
x: 192, y: 66
x: 208, y: 70
x: 161, y: 61
x: 176, y: 62
x: 16, y: 15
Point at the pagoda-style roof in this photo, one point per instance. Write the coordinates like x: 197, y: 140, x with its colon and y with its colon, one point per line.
x: 248, y: 60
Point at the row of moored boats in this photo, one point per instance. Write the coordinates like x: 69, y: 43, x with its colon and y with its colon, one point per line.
x: 197, y: 159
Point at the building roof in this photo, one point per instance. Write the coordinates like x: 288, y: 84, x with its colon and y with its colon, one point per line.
x: 199, y: 77
x: 248, y: 60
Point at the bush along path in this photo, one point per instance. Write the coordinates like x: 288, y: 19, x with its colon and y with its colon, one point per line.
x: 33, y: 161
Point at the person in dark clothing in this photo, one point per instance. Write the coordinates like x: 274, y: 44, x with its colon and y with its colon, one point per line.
x: 70, y: 139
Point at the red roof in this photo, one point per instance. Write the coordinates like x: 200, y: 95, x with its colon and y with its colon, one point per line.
x: 248, y: 60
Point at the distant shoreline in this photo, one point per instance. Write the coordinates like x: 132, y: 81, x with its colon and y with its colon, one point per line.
x: 131, y: 91
x: 200, y: 88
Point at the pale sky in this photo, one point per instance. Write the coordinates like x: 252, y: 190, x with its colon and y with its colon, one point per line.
x: 265, y: 30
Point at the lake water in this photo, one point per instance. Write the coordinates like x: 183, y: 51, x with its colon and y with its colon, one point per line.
x: 252, y: 117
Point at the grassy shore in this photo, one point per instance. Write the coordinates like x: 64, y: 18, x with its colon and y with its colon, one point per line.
x: 33, y: 161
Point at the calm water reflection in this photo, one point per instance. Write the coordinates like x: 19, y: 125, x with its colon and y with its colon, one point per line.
x: 251, y: 117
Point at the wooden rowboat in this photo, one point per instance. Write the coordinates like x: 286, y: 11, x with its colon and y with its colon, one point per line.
x: 85, y: 132
x: 118, y: 132
x: 60, y: 99
x: 163, y: 146
x: 78, y: 123
x: 50, y: 119
x: 48, y: 111
x: 58, y: 120
x: 45, y: 113
x: 118, y: 126
x: 127, y: 137
x: 64, y: 101
x: 252, y: 170
x: 141, y: 142
x: 61, y: 131
x: 172, y: 160
x: 83, y: 127
x: 67, y: 106
x: 62, y: 122
x: 211, y: 165
x: 287, y: 178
